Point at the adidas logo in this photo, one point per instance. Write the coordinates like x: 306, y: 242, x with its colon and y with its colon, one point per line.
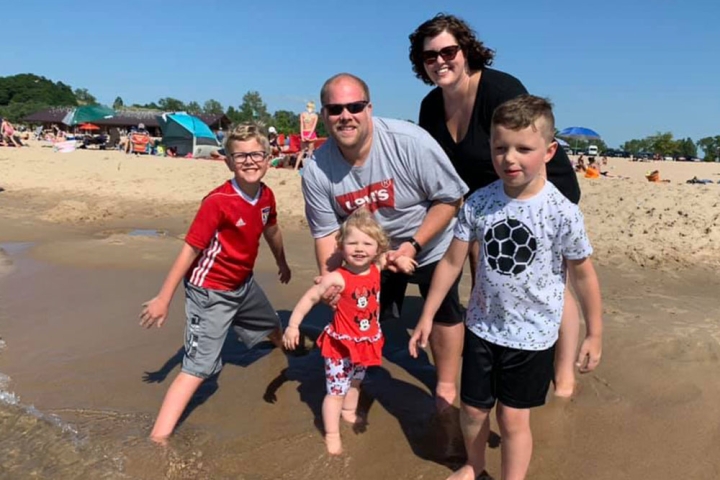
x: 240, y: 223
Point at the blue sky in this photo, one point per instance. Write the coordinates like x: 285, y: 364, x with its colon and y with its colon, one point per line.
x: 624, y: 68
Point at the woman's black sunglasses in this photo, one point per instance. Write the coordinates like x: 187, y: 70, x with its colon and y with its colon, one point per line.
x: 353, y: 108
x: 447, y: 53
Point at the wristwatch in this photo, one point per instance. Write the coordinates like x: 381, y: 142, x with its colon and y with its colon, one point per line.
x: 416, y: 245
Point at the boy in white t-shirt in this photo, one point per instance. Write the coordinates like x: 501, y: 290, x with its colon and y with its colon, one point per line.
x: 530, y: 234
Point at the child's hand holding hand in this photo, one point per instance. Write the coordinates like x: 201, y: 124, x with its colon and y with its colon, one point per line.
x: 405, y: 264
x: 154, y: 312
x: 291, y: 337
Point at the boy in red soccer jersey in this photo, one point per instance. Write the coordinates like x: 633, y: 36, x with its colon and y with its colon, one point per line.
x: 216, y: 263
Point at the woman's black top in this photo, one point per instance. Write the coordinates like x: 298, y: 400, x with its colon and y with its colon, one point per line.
x: 471, y: 156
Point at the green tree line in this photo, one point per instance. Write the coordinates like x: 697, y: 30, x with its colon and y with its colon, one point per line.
x: 251, y: 109
x: 665, y: 145
x: 23, y: 94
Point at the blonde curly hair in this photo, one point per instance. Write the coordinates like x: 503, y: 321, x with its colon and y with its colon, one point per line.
x: 365, y: 221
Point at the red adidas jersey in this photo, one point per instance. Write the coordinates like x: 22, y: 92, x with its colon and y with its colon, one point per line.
x: 227, y: 229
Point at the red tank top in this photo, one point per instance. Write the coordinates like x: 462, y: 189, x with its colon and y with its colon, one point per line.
x: 355, y: 330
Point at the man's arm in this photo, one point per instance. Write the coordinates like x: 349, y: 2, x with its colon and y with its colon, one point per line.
x: 438, y: 217
x: 322, y: 219
x: 326, y: 253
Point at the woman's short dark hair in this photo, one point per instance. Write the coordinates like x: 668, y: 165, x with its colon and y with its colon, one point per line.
x: 477, y: 55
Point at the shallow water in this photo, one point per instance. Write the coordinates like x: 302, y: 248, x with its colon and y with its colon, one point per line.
x: 84, y: 383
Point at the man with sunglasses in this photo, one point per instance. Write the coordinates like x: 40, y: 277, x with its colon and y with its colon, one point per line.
x: 399, y: 172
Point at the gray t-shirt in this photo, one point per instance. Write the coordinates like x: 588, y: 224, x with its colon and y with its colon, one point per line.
x: 404, y: 173
x: 517, y: 301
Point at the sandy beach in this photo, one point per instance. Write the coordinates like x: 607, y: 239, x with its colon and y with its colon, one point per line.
x: 87, y: 236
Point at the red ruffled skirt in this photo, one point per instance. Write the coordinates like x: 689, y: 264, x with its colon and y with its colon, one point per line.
x: 364, y: 353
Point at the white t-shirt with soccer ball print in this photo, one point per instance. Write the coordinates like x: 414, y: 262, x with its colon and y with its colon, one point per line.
x: 517, y: 301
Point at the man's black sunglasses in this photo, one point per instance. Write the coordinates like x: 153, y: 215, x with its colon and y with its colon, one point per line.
x: 353, y: 108
x: 447, y: 53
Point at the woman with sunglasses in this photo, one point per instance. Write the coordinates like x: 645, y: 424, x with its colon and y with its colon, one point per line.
x: 445, y: 52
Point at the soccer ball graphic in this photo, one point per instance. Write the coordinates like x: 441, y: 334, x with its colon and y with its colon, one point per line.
x: 509, y: 247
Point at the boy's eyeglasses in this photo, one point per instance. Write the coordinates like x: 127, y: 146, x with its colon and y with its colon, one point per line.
x: 447, y: 53
x: 352, y: 108
x: 242, y: 157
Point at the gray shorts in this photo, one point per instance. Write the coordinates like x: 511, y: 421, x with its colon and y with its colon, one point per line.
x: 211, y: 313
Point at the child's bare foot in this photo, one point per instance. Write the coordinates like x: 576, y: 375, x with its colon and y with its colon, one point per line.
x: 333, y: 443
x: 162, y: 441
x: 349, y: 415
x: 467, y: 472
x: 564, y: 388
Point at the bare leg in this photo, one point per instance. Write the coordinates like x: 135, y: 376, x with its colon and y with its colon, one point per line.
x: 567, y: 346
x: 301, y: 154
x: 331, y: 408
x: 176, y: 399
x: 446, y: 342
x: 517, y: 444
x: 475, y: 424
x: 350, y: 403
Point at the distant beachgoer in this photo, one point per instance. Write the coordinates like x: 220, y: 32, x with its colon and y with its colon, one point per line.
x: 308, y: 124
x: 8, y: 133
x: 353, y: 340
x: 216, y: 262
x: 593, y: 169
x: 275, y: 149
x: 513, y: 320
x: 580, y: 165
x: 445, y: 52
x: 139, y: 130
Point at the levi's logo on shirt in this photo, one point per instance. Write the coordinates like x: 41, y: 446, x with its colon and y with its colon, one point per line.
x: 374, y: 196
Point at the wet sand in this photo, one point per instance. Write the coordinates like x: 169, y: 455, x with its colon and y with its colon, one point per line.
x: 69, y: 308
x: 78, y: 261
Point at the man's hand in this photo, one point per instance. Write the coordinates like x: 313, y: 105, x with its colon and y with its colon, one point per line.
x: 154, y: 312
x: 590, y: 353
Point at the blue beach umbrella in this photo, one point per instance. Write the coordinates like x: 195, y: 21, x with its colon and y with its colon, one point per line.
x: 579, y: 133
x: 562, y: 142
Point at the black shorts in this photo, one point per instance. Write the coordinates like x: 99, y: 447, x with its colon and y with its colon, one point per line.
x: 392, y: 294
x: 493, y: 373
